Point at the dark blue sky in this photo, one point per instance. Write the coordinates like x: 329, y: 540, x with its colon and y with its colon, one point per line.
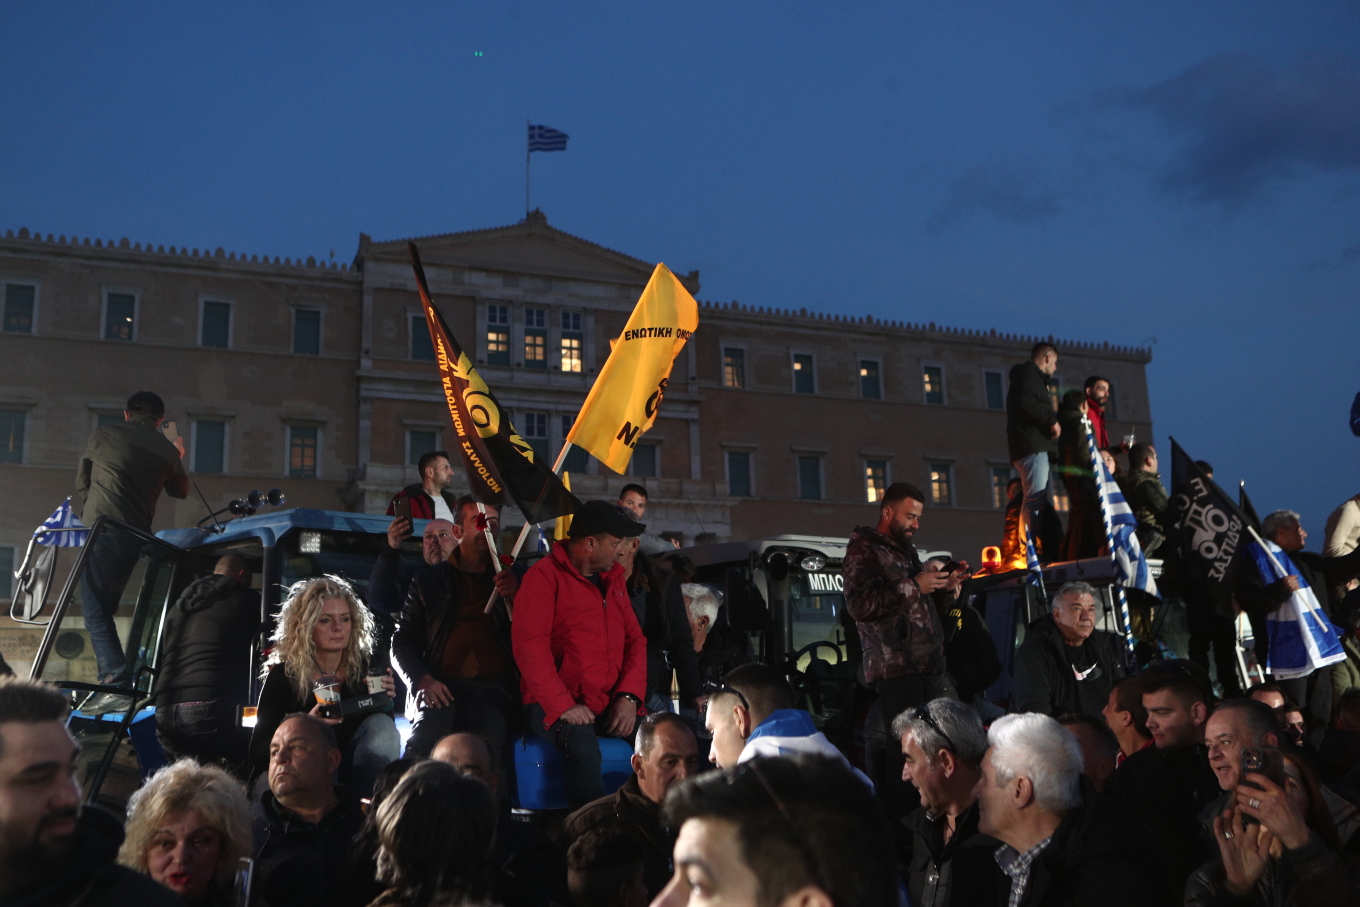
x: 1187, y: 171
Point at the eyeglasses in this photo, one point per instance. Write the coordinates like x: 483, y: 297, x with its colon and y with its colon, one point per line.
x: 713, y: 688
x: 922, y: 713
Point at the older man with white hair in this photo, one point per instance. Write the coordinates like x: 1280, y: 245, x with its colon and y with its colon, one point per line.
x: 1065, y: 664
x: 1062, y: 843
x: 720, y: 648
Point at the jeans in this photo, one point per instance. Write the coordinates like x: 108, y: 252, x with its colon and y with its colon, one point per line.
x: 107, y: 568
x: 207, y: 731
x: 374, y: 744
x: 486, y: 708
x: 1034, y: 476
x: 580, y: 745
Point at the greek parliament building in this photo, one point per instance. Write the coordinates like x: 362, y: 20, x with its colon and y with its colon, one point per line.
x: 318, y: 378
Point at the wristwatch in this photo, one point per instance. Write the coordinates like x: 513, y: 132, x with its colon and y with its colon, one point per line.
x: 630, y: 697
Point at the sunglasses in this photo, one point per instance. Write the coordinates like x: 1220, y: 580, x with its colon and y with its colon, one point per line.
x: 712, y: 688
x: 922, y: 713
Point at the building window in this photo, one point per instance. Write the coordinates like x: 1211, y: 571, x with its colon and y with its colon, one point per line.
x: 498, y: 335
x: 870, y: 385
x: 577, y: 459
x: 810, y: 478
x: 422, y: 347
x: 20, y: 299
x: 734, y: 367
x: 646, y: 461
x: 214, y: 324
x: 571, y: 353
x: 803, y: 380
x: 307, y: 332
x: 6, y: 572
x: 535, y: 318
x: 875, y: 480
x: 302, y: 451
x: 942, y: 484
x: 535, y: 430
x: 12, y: 435
x: 535, y: 338
x: 571, y: 322
x: 209, y: 446
x: 120, y: 316
x: 933, y: 378
x: 1061, y: 502
x: 739, y: 473
x: 419, y: 442
x: 996, y: 395
x: 1001, y: 477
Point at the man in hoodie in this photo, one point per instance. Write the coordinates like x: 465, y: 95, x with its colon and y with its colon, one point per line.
x: 53, y: 851
x: 1065, y: 664
x: 204, y: 675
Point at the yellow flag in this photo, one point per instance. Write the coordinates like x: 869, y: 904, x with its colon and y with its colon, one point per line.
x: 562, y: 525
x: 623, y: 404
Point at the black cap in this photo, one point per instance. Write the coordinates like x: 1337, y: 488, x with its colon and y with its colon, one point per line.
x: 601, y: 516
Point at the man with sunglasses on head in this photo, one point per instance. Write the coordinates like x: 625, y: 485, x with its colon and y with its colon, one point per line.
x: 1065, y: 664
x: 943, y: 743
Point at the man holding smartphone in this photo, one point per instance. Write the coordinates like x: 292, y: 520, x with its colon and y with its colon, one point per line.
x: 125, y: 467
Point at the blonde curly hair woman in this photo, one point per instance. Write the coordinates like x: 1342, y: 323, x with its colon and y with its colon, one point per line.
x: 324, y: 635
x: 186, y: 829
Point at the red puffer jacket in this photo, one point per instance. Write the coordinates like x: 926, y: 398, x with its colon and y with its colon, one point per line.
x: 573, y: 646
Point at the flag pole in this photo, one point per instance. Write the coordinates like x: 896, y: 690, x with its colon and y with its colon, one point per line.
x: 528, y: 126
x: 1097, y: 466
x: 523, y: 534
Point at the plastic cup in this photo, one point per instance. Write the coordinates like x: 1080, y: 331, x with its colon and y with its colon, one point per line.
x: 327, y: 693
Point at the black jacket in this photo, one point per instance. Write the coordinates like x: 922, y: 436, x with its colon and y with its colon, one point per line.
x: 1311, y: 876
x: 1044, y: 681
x: 206, y: 649
x: 527, y: 869
x: 639, y: 816
x: 1321, y: 573
x: 298, y: 864
x: 969, y: 650
x: 1030, y: 415
x: 389, y: 582
x: 125, y: 467
x: 962, y: 872
x: 90, y: 877
x: 1168, y: 790
x: 670, y: 642
x: 1098, y: 858
x: 279, y: 698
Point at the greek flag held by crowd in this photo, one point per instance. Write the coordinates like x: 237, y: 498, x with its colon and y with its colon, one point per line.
x: 1302, y: 639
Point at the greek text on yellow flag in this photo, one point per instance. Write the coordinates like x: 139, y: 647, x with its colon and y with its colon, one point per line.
x: 624, y: 401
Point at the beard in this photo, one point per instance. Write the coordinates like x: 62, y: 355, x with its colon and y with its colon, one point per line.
x: 903, y: 536
x: 27, y: 864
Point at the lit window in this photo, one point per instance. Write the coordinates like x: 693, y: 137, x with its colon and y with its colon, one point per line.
x: 215, y: 330
x: 422, y: 346
x: 19, y: 302
x: 941, y: 484
x: 1001, y: 477
x: 120, y: 315
x: 419, y: 442
x: 210, y: 446
x: 497, y: 346
x: 535, y: 348
x: 803, y: 382
x: 739, y: 473
x: 875, y: 480
x: 996, y: 397
x: 307, y: 332
x: 734, y: 367
x: 1061, y: 502
x: 810, y: 478
x: 12, y: 436
x: 302, y: 448
x: 933, y: 378
x: 571, y: 353
x: 870, y: 387
x: 646, y: 462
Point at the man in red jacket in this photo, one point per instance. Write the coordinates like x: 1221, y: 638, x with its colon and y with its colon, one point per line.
x: 580, y: 651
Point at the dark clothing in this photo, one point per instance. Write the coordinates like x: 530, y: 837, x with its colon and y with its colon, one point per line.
x: 433, y: 611
x: 895, y: 696
x: 899, y: 626
x: 640, y: 818
x: 422, y: 505
x: 108, y: 566
x: 579, y: 745
x: 1047, y: 670
x: 1085, y: 535
x: 298, y: 863
x: 1167, y: 790
x: 488, y: 707
x: 969, y: 650
x: 1148, y: 500
x: 209, y: 731
x: 963, y: 871
x: 724, y: 649
x: 1311, y: 876
x: 1321, y: 573
x: 1338, y: 756
x: 660, y: 610
x: 206, y: 647
x: 1030, y: 415
x: 526, y: 869
x: 389, y: 582
x: 90, y: 877
x: 126, y: 464
x: 1098, y: 858
x: 279, y: 697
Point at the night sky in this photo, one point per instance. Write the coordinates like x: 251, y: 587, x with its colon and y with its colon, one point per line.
x: 1185, y: 175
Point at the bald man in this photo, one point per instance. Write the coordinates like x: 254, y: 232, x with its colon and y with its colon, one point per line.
x: 205, y: 667
x: 529, y: 870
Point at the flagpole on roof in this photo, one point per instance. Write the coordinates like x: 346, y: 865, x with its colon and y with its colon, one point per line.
x: 527, y: 126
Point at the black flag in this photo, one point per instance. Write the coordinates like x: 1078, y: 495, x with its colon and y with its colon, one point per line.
x: 501, y: 466
x: 1205, y: 524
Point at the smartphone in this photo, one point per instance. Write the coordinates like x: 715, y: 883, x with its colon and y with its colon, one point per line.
x: 1265, y: 760
x: 401, y: 508
x: 170, y: 430
x: 245, y: 875
x: 951, y: 567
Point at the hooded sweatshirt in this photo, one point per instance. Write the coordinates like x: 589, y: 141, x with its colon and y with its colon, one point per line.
x: 205, y: 654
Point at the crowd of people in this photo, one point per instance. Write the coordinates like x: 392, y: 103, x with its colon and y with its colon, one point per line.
x: 1102, y: 780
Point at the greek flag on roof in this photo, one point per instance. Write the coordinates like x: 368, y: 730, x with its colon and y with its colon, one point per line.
x: 62, y: 519
x: 545, y: 138
x: 1035, y: 574
x: 1130, y: 566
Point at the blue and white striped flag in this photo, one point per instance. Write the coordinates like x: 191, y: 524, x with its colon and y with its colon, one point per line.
x: 545, y: 138
x: 62, y: 518
x: 1302, y: 639
x: 1035, y: 574
x: 1130, y: 565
